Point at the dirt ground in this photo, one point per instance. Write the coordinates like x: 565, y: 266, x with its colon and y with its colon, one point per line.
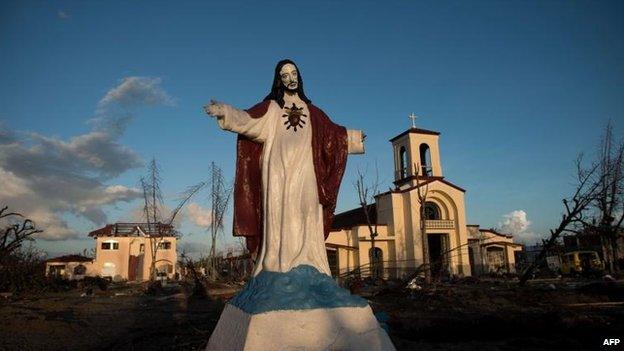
x: 117, y: 319
x: 495, y: 315
x: 491, y: 315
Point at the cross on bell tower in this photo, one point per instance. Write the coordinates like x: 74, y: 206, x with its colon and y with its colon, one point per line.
x: 413, y: 118
x: 416, y: 154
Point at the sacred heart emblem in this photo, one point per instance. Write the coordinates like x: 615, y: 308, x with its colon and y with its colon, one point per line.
x: 294, y: 117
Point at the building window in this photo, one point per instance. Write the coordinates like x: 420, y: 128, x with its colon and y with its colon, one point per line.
x: 403, y: 162
x: 165, y: 245
x: 80, y: 270
x: 425, y: 160
x: 165, y: 269
x: 142, y: 248
x: 110, y: 245
x: 432, y: 211
x: 57, y: 270
x: 109, y: 270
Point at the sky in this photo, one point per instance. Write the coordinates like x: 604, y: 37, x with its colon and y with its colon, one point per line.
x: 92, y: 91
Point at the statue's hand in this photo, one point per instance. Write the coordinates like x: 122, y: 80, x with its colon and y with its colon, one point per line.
x: 355, y: 141
x: 214, y: 109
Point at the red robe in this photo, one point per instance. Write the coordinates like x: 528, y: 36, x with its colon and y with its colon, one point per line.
x: 329, y: 153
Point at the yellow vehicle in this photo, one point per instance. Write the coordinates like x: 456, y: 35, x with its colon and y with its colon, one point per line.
x: 581, y: 262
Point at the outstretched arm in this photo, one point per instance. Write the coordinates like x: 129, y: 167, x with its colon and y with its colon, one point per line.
x: 238, y: 121
x: 355, y: 141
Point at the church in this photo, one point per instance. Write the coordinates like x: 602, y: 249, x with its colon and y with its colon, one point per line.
x: 391, y: 246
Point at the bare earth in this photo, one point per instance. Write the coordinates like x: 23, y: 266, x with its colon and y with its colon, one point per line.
x: 475, y: 316
x: 111, y: 320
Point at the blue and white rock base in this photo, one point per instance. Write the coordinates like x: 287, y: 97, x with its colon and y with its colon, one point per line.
x: 302, y: 309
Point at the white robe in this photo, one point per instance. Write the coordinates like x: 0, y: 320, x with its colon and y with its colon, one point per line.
x: 293, y: 216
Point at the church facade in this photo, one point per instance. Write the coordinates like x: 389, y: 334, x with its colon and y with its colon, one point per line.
x: 395, y: 248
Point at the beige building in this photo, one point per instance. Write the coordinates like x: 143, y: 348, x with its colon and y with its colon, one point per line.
x: 71, y: 267
x: 398, y: 244
x: 124, y: 251
x: 491, y: 251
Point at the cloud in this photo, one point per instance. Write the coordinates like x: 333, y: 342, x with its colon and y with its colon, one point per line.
x: 6, y: 136
x: 46, y: 178
x: 198, y: 215
x: 136, y: 91
x: 62, y: 14
x: 97, y: 151
x: 517, y: 223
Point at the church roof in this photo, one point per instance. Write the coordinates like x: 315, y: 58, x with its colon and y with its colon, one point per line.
x: 354, y: 217
x: 416, y: 131
x: 426, y: 180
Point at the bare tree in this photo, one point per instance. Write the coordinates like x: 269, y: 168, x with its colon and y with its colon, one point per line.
x: 159, y: 229
x: 609, y: 204
x: 20, y: 265
x: 152, y: 201
x: 422, y: 187
x: 366, y: 196
x: 16, y: 231
x: 240, y: 245
x: 220, y: 194
x: 589, y: 182
x: 199, y: 289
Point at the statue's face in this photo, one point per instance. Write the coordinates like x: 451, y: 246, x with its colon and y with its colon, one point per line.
x: 290, y: 77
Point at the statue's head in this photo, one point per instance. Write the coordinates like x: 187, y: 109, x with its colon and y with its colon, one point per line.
x: 290, y: 77
x: 287, y: 78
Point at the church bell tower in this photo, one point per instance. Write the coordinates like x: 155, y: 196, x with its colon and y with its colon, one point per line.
x: 415, y: 147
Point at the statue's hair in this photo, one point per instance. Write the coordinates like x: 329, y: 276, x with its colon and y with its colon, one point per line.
x: 277, y: 90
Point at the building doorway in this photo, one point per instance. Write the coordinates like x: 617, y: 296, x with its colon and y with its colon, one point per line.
x: 471, y: 261
x: 133, y: 268
x: 496, y: 259
x: 375, y: 256
x: 438, y: 255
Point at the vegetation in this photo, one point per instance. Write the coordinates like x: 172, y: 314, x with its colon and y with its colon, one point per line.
x: 21, y: 267
x: 594, y: 205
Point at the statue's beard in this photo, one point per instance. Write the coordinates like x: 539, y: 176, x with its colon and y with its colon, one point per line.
x: 291, y: 90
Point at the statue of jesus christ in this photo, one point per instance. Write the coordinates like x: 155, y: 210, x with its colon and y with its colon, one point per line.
x: 290, y: 161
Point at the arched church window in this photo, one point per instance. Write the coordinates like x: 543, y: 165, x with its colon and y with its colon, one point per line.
x: 425, y: 160
x: 432, y: 211
x: 403, y: 162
